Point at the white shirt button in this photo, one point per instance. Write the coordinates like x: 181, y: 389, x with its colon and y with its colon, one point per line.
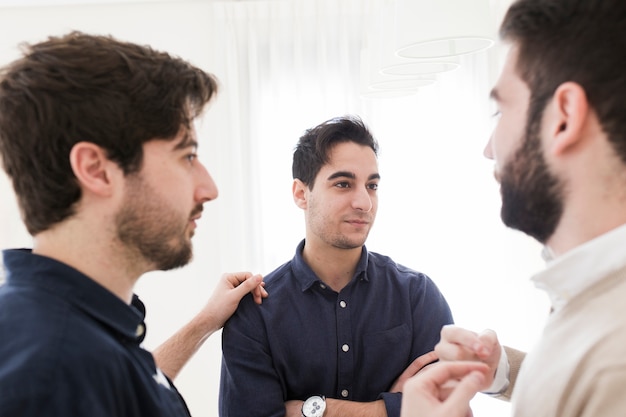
x: 342, y: 304
x: 322, y: 286
x: 345, y: 348
x: 140, y: 330
x: 344, y: 393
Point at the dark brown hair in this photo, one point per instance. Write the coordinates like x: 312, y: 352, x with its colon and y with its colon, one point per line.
x: 583, y: 41
x: 312, y: 150
x: 82, y: 87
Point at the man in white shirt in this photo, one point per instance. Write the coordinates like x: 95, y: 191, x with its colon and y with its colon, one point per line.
x: 560, y: 157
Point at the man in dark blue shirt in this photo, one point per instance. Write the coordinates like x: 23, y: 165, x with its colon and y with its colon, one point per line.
x: 71, y: 347
x: 97, y: 138
x: 343, y: 328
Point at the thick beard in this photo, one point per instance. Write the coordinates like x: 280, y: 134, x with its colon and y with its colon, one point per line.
x: 532, y: 197
x: 150, y: 232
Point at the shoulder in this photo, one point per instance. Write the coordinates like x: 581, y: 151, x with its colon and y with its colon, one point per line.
x: 383, y: 263
x: 49, y: 339
x: 384, y: 272
x: 277, y: 283
x: 279, y: 276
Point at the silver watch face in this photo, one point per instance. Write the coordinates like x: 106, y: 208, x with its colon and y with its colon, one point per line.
x: 313, y: 406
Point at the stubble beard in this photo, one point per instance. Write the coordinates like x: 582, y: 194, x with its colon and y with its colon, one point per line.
x: 152, y: 231
x: 343, y: 242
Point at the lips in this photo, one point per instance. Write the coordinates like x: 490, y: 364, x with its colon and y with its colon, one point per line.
x: 196, y: 214
x: 358, y: 222
x: 193, y: 219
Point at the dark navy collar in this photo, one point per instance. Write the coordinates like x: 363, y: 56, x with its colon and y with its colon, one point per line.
x: 307, y: 278
x: 23, y: 268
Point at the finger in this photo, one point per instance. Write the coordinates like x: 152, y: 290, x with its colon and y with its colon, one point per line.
x: 443, y: 372
x: 249, y: 285
x: 464, y: 391
x: 489, y: 341
x: 259, y: 293
x: 236, y: 278
x: 467, y: 340
x: 458, y: 336
x: 455, y: 395
x: 453, y: 352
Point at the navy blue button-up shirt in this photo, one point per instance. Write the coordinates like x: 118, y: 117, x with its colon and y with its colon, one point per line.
x: 306, y: 339
x: 69, y: 347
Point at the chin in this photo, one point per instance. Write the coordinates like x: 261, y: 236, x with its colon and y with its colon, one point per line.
x: 357, y: 243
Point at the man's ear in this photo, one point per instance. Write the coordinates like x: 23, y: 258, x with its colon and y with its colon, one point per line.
x: 92, y: 168
x: 566, y: 118
x: 298, y: 189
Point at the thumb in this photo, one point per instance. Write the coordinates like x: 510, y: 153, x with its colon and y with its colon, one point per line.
x: 466, y: 389
x: 248, y: 285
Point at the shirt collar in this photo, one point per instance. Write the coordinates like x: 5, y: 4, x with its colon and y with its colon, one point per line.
x: 25, y: 268
x: 571, y: 273
x: 307, y: 278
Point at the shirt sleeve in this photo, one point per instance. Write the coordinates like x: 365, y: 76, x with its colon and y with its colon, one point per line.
x: 501, y: 379
x: 248, y: 379
x: 392, y: 400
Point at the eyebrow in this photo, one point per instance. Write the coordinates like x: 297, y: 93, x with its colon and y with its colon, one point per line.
x: 347, y: 174
x: 187, y: 141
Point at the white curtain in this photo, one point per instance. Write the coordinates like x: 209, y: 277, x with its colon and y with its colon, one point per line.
x: 285, y: 66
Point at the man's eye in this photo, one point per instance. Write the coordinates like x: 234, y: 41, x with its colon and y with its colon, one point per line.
x: 191, y: 157
x: 342, y: 185
x: 373, y: 187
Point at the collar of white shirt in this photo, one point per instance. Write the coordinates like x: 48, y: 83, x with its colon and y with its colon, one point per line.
x: 576, y: 270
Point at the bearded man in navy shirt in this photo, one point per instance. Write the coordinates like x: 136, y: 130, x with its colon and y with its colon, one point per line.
x: 97, y: 137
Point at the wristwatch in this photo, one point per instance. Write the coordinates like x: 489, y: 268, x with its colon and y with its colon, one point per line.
x: 314, y: 406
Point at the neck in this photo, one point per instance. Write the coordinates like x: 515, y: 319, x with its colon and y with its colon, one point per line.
x: 574, y: 230
x: 334, y: 266
x: 75, y: 245
x: 590, y: 211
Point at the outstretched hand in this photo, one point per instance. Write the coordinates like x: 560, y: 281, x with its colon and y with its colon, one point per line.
x: 176, y: 351
x: 444, y: 390
x: 231, y: 288
x: 458, y: 344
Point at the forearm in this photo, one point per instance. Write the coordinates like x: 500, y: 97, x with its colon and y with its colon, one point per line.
x: 172, y: 355
x: 343, y: 408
